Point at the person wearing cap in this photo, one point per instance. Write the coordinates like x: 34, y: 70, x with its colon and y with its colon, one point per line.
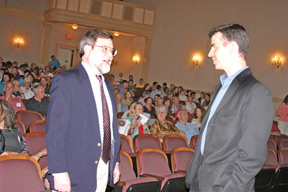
x: 26, y: 88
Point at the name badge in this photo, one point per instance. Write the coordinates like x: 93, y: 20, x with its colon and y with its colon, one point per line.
x: 18, y: 104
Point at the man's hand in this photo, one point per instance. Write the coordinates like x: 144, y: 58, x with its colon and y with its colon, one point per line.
x: 116, y: 173
x: 62, y: 182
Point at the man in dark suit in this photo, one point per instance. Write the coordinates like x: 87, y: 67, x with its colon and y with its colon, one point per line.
x: 82, y: 136
x: 232, y: 145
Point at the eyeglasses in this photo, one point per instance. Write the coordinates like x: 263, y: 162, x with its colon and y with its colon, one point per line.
x: 106, y: 49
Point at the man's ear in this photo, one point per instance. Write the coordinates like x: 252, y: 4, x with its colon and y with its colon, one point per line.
x: 234, y: 47
x: 87, y: 49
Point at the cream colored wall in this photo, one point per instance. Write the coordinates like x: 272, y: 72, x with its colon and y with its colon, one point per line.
x: 29, y: 30
x: 182, y: 28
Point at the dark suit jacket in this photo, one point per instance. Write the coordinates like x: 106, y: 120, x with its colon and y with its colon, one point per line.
x: 236, y: 140
x: 72, y: 130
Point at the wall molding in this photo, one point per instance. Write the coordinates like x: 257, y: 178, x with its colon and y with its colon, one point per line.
x: 21, y: 13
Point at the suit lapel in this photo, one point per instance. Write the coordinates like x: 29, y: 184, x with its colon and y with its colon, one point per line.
x: 88, y: 94
x: 232, y: 89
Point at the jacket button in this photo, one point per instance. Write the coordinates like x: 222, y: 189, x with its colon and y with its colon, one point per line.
x: 99, y: 144
x: 96, y: 162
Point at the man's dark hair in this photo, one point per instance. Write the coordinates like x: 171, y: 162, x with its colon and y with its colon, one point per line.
x: 155, y: 83
x: 234, y: 32
x: 90, y: 38
x: 158, y: 87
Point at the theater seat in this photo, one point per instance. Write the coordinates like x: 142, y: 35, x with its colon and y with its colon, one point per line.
x: 20, y: 173
x: 128, y: 181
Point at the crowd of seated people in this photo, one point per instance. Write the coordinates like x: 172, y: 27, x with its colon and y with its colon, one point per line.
x: 174, y: 109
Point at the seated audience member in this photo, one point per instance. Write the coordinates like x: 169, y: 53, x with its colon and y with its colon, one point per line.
x: 38, y: 103
x: 119, y: 79
x: 130, y: 78
x: 175, y: 105
x: 26, y: 88
x: 17, y: 91
x: 167, y: 103
x: 198, y: 116
x: 206, y: 103
x: 145, y: 95
x: 165, y: 92
x: 156, y: 91
x: 5, y: 79
x: 188, y: 128
x: 282, y: 113
x: 162, y: 127
x: 16, y: 103
x: 44, y: 83
x: 155, y: 101
x: 12, y: 141
x: 140, y: 84
x: 190, y: 105
x: 120, y: 107
x: 201, y: 99
x: 136, y: 126
x: 149, y: 108
x: 123, y: 86
x: 159, y: 101
x: 147, y: 87
x: 131, y: 87
x: 182, y: 95
x: 127, y: 98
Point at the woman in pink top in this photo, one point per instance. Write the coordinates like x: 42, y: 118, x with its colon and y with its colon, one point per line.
x: 282, y: 113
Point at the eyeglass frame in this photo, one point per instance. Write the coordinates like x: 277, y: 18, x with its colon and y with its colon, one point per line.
x: 113, y: 51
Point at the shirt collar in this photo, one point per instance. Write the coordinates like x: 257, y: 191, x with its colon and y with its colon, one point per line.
x: 91, y: 70
x: 224, y: 79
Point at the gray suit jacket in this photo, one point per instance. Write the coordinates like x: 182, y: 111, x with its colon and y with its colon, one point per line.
x: 236, y: 140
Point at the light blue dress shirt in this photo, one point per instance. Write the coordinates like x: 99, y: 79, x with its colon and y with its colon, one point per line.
x: 189, y: 129
x: 226, y: 82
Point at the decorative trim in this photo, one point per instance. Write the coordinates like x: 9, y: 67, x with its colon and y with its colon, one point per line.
x: 91, y: 20
x: 21, y: 13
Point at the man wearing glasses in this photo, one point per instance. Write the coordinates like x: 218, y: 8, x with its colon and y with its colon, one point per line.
x: 82, y: 136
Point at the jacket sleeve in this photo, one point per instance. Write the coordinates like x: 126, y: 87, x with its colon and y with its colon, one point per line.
x: 256, y: 125
x: 57, y: 124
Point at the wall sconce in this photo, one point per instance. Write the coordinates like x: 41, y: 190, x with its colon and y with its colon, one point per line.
x: 19, y: 42
x: 136, y: 59
x: 196, y: 60
x: 277, y: 61
x: 116, y: 34
x: 74, y: 26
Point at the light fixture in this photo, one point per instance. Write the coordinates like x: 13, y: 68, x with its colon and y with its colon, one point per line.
x: 116, y: 34
x: 136, y: 59
x: 196, y: 60
x: 74, y: 26
x: 277, y: 61
x: 19, y: 42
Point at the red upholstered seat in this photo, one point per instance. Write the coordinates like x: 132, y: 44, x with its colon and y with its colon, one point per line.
x: 145, y: 141
x: 193, y: 141
x: 36, y: 143
x: 27, y: 117
x: 171, y: 142
x: 154, y: 162
x: 271, y: 144
x: 126, y: 144
x: 20, y: 173
x: 128, y: 180
x: 38, y: 126
x: 180, y: 159
x: 20, y: 126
